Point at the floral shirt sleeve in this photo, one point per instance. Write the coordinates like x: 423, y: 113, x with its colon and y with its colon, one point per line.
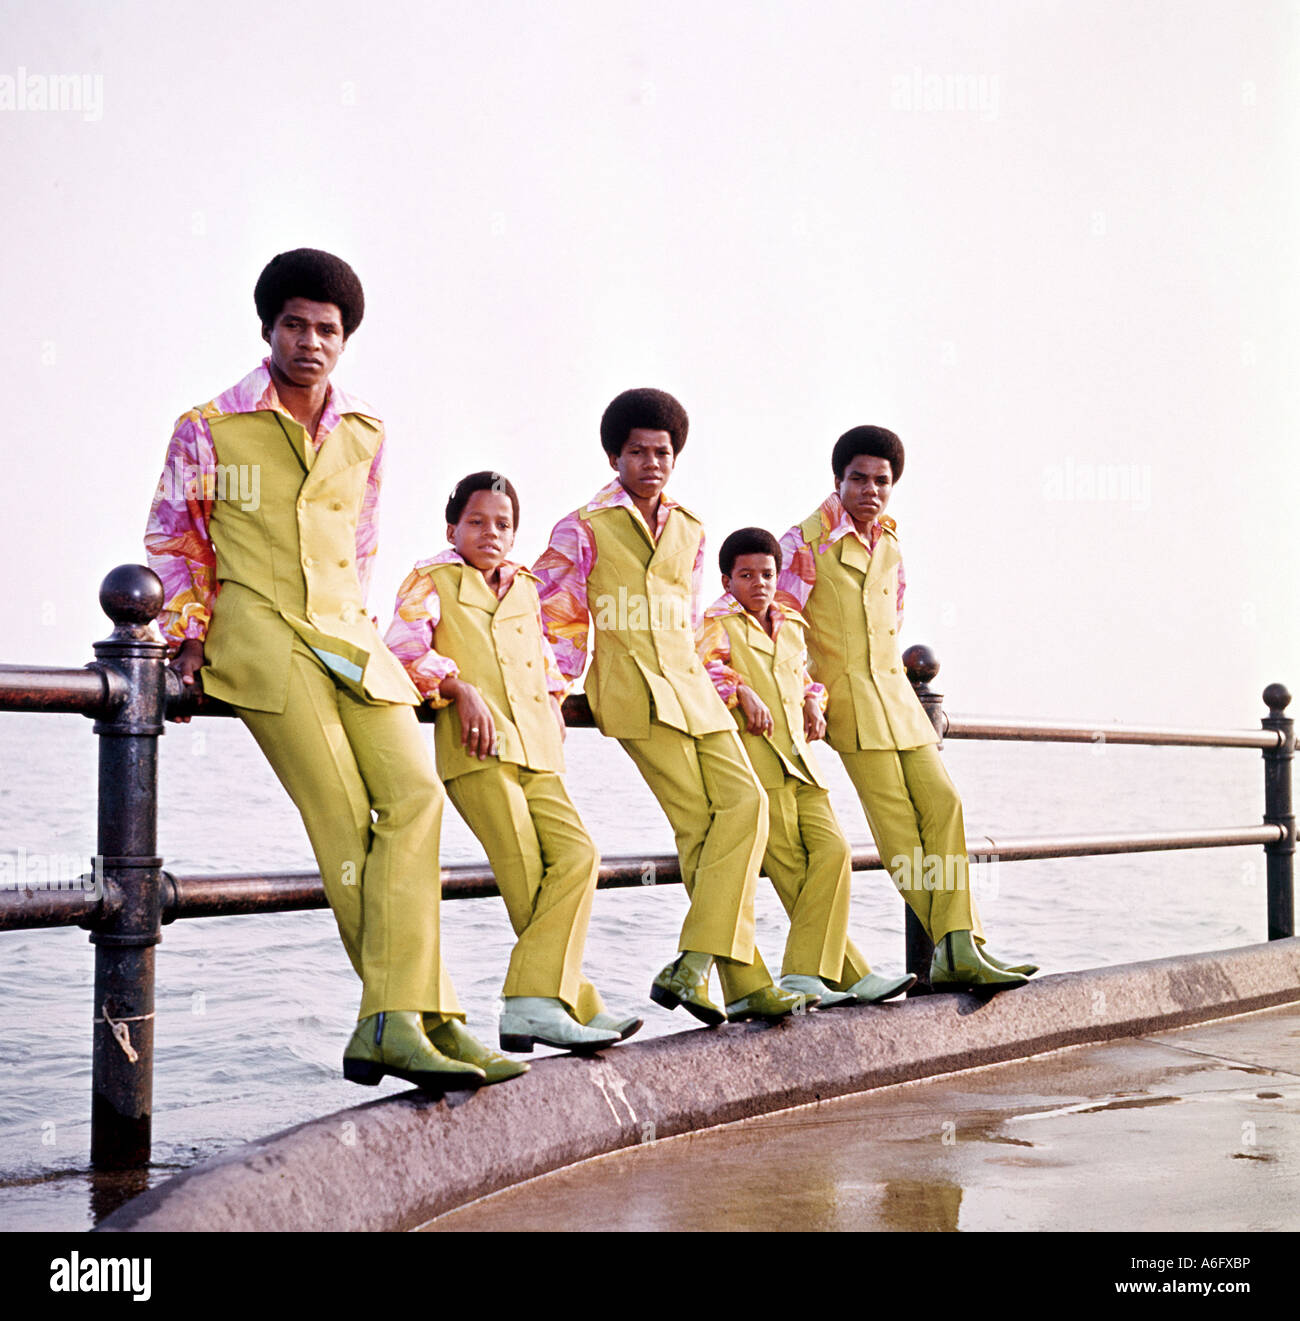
x: 410, y: 636
x: 798, y: 574
x: 562, y: 572
x: 176, y: 539
x: 713, y: 644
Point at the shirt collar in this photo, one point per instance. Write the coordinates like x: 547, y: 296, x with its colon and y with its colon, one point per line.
x: 615, y: 496
x: 727, y: 604
x: 836, y: 524
x: 452, y: 556
x: 257, y: 393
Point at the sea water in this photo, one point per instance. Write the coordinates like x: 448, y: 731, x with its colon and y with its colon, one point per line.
x: 253, y: 1011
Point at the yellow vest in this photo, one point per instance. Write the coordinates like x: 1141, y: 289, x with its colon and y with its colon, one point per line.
x: 853, y: 648
x: 773, y: 668
x: 644, y: 663
x: 288, y: 566
x: 497, y: 647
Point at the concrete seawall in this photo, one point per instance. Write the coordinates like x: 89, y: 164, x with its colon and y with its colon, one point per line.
x: 397, y: 1162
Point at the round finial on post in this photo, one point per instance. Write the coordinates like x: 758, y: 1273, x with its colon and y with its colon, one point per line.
x: 1277, y: 699
x: 921, y: 664
x: 131, y: 594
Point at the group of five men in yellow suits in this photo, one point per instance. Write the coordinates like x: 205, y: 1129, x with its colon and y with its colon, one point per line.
x: 266, y: 598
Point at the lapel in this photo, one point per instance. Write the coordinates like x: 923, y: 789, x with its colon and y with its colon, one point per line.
x: 475, y: 592
x: 854, y: 555
x: 756, y: 635
x: 295, y: 436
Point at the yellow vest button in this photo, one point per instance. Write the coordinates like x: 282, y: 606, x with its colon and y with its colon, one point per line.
x: 528, y: 665
x: 302, y: 504
x: 343, y: 564
x: 307, y: 561
x: 337, y: 505
x: 894, y: 670
x: 537, y: 697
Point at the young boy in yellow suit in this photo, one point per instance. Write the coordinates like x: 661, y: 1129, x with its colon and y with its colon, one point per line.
x: 753, y: 649
x: 467, y: 627
x: 627, y: 567
x: 263, y: 530
x: 843, y: 571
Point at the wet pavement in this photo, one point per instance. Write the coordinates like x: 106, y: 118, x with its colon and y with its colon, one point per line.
x: 1191, y: 1129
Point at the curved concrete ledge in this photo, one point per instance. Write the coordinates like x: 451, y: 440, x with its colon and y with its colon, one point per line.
x: 395, y: 1163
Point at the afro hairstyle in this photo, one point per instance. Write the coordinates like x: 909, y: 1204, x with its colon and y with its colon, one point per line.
x: 480, y: 481
x: 748, y: 541
x: 651, y: 410
x: 312, y: 274
x: 875, y: 441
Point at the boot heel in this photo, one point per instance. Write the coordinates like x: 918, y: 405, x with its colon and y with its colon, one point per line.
x: 664, y: 998
x: 518, y: 1045
x: 366, y: 1072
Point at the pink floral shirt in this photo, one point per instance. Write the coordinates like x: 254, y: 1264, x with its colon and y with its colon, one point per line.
x: 714, y: 646
x: 412, y: 634
x: 798, y: 573
x: 176, y: 539
x: 566, y: 564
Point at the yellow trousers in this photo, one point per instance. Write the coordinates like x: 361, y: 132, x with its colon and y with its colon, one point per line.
x: 545, y: 866
x: 718, y: 812
x: 341, y: 759
x: 809, y: 863
x: 915, y: 816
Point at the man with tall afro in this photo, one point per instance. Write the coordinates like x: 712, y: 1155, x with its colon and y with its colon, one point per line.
x: 625, y: 570
x: 264, y: 546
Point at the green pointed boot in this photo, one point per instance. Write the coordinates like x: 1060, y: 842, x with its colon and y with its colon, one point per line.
x: 814, y: 986
x: 770, y: 1003
x: 394, y: 1042
x: 455, y: 1041
x: 1024, y: 969
x: 625, y: 1027
x: 957, y: 966
x: 685, y: 981
x: 873, y: 988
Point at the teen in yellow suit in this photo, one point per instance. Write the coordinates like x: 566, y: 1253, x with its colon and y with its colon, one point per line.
x: 627, y: 566
x: 753, y: 649
x: 467, y: 627
x: 262, y: 531
x: 843, y: 571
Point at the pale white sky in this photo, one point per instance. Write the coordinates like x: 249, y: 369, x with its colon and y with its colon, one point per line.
x: 1052, y: 245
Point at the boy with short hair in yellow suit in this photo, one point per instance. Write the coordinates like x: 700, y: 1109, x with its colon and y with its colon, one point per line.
x: 467, y: 627
x: 753, y: 649
x: 264, y: 552
x: 627, y: 565
x: 842, y: 569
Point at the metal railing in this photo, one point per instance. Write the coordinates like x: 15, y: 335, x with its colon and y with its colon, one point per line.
x: 127, y: 898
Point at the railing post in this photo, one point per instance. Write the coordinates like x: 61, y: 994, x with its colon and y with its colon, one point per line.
x: 1279, y: 857
x: 129, y: 922
x: 921, y: 666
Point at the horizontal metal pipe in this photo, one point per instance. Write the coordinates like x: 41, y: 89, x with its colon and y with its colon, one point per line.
x: 276, y: 892
x: 577, y: 715
x: 76, y: 692
x: 1041, y: 731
